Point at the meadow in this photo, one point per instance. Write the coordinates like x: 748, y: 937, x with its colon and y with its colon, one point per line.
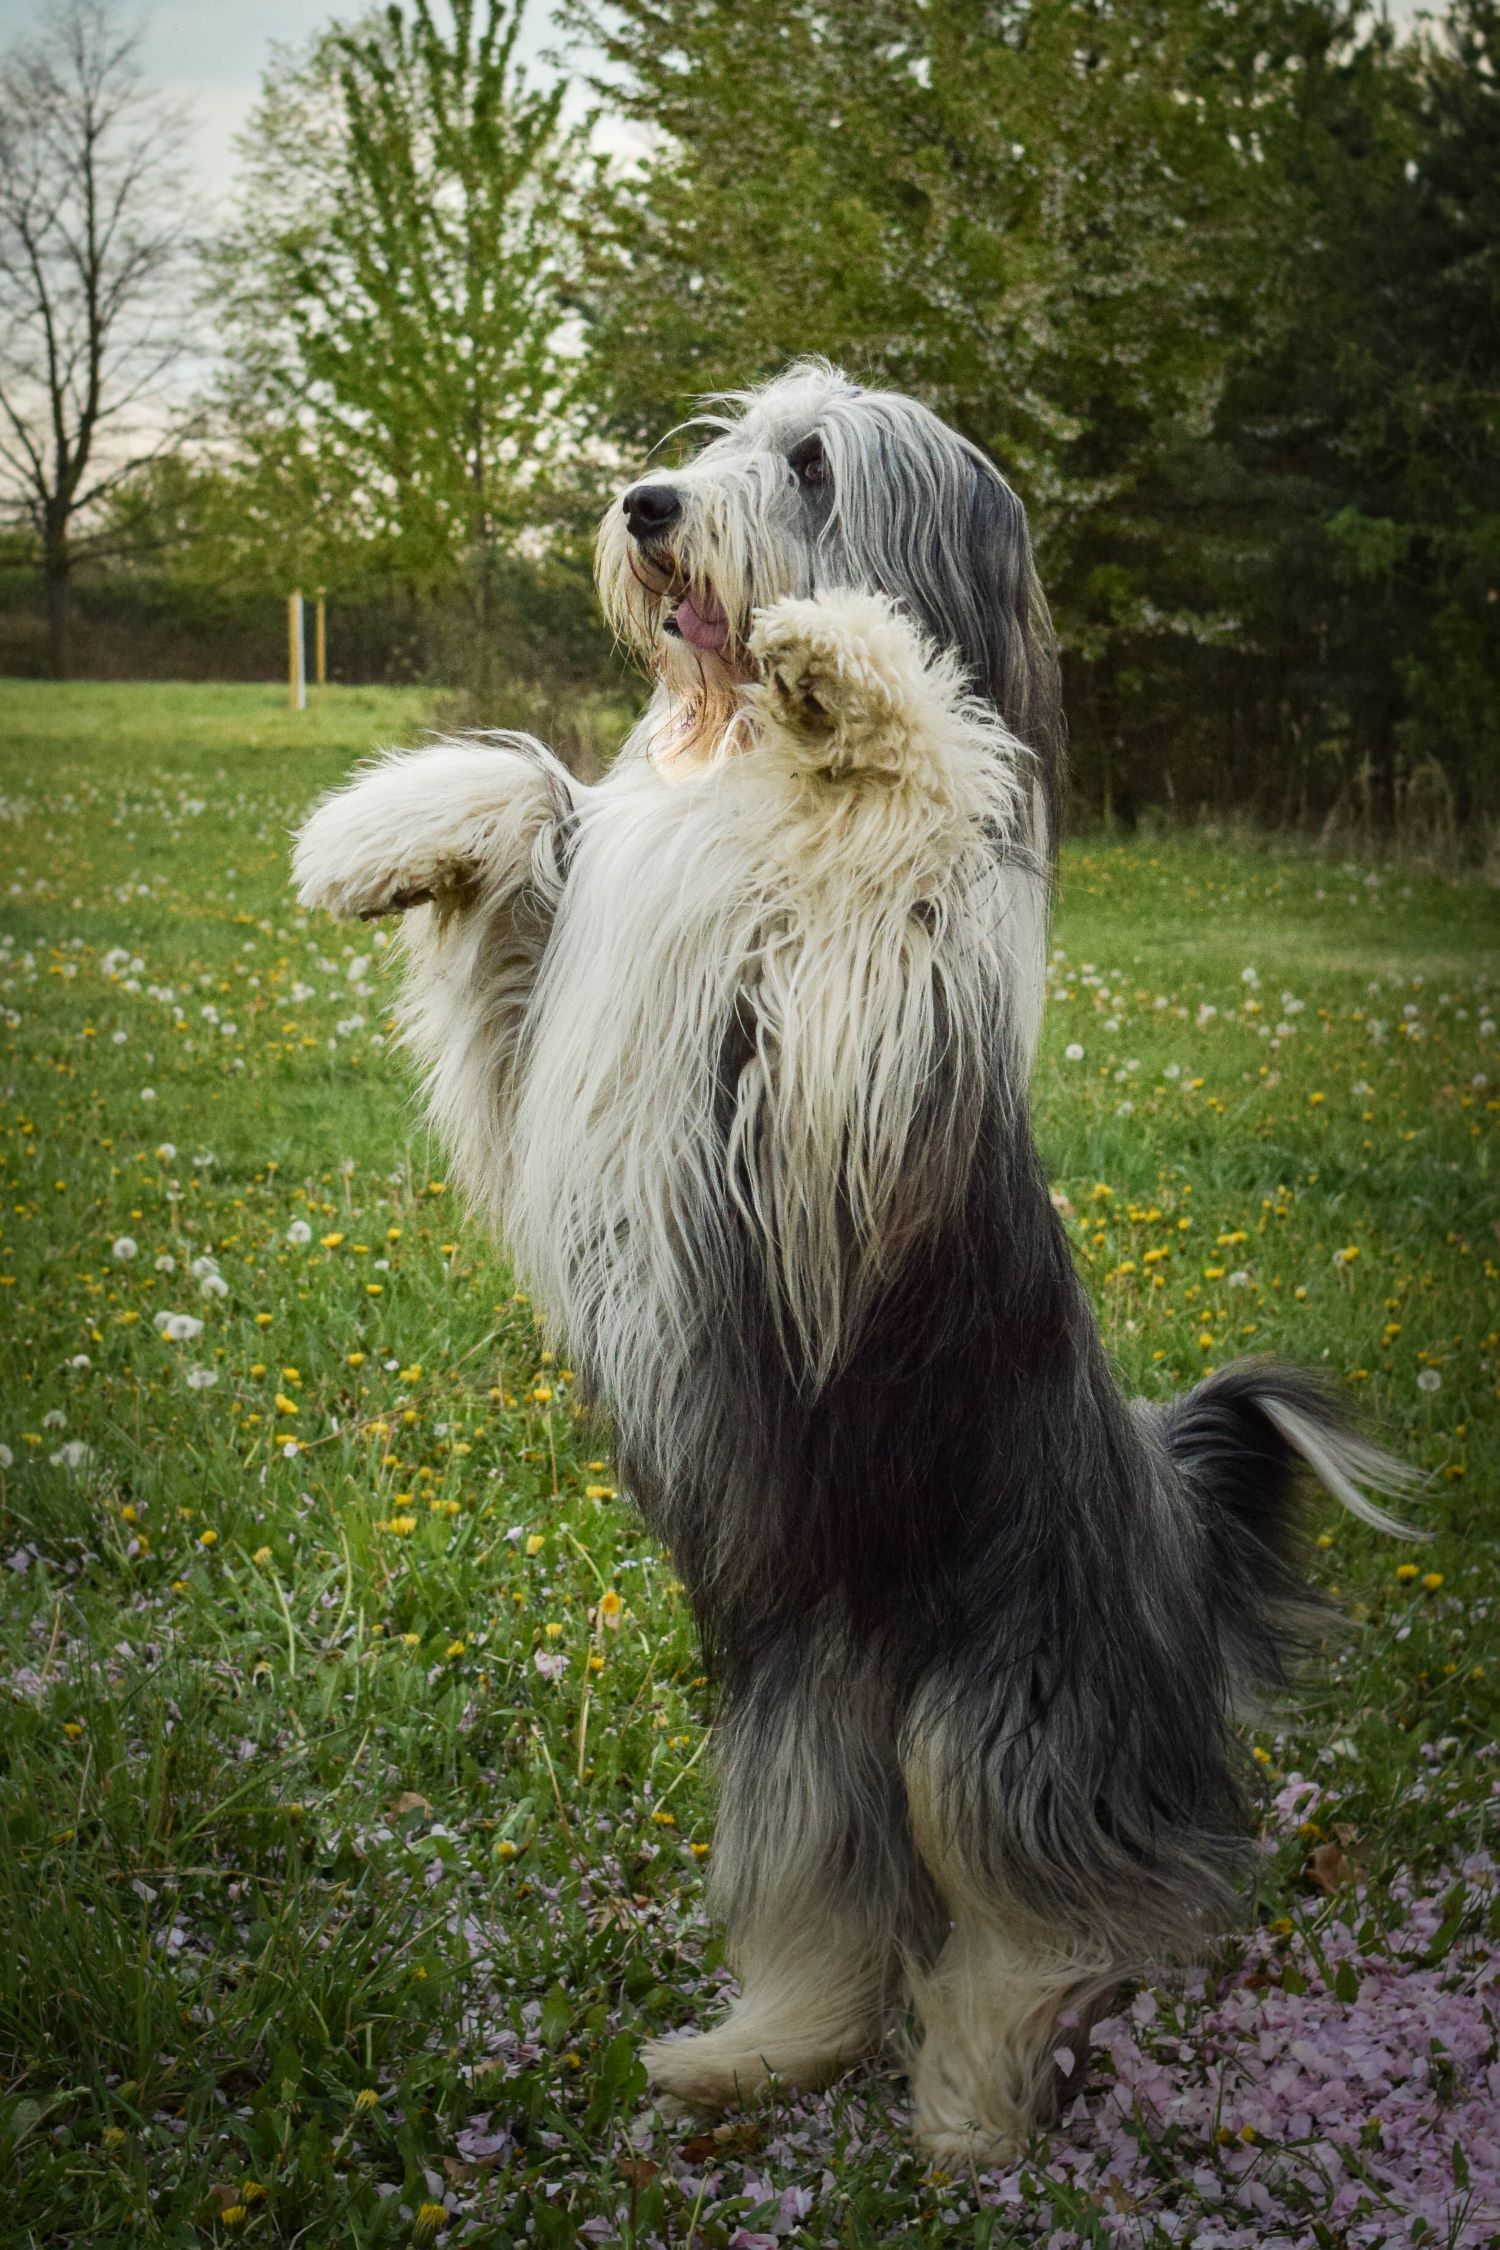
x: 353, y: 1760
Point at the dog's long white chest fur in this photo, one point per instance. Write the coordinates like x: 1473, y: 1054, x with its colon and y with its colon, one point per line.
x: 734, y: 1049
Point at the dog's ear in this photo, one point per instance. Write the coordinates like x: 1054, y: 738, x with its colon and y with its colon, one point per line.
x: 1014, y: 654
x: 925, y: 516
x: 994, y: 613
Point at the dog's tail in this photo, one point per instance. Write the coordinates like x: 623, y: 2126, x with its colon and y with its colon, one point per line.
x: 1245, y: 1443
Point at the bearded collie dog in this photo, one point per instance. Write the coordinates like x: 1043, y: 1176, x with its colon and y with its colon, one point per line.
x: 733, y: 1047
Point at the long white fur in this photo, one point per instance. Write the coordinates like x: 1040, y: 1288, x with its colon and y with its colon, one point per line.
x: 1342, y: 1462
x: 788, y: 868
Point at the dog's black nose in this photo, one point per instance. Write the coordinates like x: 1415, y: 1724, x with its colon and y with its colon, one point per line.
x: 650, y: 509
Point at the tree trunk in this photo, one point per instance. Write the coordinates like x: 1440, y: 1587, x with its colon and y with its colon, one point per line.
x: 58, y: 571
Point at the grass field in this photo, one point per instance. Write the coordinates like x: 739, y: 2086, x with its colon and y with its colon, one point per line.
x: 354, y: 1796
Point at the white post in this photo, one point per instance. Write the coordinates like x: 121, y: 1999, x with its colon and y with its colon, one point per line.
x: 296, y: 647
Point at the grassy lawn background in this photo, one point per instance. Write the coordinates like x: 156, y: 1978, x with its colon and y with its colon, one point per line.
x: 354, y: 1800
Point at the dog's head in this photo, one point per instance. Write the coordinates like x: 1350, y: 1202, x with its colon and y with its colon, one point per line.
x: 812, y: 482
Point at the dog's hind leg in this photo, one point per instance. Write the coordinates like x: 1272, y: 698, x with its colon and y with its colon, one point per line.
x: 988, y: 2069
x: 814, y: 1875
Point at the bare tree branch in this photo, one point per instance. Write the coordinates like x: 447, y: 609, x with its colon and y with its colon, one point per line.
x: 94, y: 262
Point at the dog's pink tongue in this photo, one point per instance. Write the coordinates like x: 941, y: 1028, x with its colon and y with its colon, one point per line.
x: 701, y: 620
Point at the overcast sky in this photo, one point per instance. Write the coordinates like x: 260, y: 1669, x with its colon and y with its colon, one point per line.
x: 212, y: 53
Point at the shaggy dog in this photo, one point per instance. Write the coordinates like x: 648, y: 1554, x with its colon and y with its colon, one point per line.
x: 734, y: 1048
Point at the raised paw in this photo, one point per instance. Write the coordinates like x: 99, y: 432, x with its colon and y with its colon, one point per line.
x: 847, y: 682
x: 428, y: 825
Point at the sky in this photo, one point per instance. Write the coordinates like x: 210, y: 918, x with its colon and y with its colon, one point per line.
x: 211, y: 54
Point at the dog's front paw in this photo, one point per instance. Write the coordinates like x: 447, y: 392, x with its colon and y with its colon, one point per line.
x: 844, y: 676
x: 368, y: 894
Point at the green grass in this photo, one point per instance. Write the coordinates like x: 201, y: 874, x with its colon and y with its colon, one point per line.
x: 306, y: 1861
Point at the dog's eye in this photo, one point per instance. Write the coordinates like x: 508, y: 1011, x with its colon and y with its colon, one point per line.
x: 809, y: 461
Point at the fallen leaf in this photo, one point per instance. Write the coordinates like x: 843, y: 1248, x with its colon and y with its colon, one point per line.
x: 1329, y: 1869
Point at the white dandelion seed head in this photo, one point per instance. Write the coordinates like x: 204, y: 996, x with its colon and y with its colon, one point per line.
x: 299, y: 1232
x: 201, y: 1378
x: 1073, y: 1052
x: 1429, y: 1380
x: 122, y: 1249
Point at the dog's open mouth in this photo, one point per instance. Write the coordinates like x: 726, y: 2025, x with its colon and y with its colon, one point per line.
x: 701, y: 620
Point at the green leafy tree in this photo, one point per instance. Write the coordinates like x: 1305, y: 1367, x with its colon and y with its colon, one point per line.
x: 1213, y: 285
x: 401, y: 395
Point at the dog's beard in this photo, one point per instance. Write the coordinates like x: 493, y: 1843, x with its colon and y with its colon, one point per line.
x: 675, y: 605
x: 687, y: 620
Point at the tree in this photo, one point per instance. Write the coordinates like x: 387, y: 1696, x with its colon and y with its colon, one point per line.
x: 1216, y: 287
x: 1049, y: 219
x: 93, y: 254
x: 394, y: 303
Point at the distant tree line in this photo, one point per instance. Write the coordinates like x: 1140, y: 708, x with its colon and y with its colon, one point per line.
x: 1216, y: 281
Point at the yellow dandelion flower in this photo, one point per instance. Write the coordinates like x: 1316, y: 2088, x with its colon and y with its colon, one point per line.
x: 1433, y: 1580
x: 455, y: 1648
x: 366, y: 2098
x: 208, y: 1539
x: 536, y: 1543
x: 285, y: 1405
x: 1406, y: 1572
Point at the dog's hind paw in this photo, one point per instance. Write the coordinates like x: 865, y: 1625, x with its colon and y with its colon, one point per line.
x: 972, y: 2148
x: 703, y: 2071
